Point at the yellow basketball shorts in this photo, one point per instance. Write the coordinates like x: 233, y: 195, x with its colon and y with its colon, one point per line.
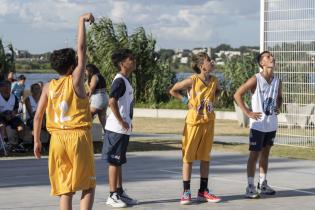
x: 71, y: 161
x: 197, y: 142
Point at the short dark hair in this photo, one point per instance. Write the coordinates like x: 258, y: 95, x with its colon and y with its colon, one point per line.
x: 259, y: 57
x: 33, y: 86
x: 21, y: 77
x: 61, y: 60
x: 120, y: 55
x: 91, y: 68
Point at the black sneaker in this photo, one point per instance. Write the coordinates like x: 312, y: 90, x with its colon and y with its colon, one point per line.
x: 265, y: 189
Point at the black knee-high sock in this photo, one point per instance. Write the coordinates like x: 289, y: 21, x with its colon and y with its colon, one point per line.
x: 203, y: 184
x: 186, y: 185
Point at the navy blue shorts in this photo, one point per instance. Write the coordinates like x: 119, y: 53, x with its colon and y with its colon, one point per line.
x: 115, y: 148
x: 259, y: 139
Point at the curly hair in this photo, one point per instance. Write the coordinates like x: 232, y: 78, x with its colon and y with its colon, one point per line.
x: 120, y: 55
x: 198, y: 60
x: 61, y: 60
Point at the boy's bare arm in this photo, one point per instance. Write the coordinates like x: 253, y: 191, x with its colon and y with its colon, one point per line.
x: 249, y: 85
x: 279, y: 98
x: 38, y: 119
x: 78, y: 73
x: 93, y: 84
x: 114, y: 107
x: 183, y: 85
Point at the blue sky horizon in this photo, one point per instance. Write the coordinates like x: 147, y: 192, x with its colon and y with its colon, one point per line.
x: 44, y: 25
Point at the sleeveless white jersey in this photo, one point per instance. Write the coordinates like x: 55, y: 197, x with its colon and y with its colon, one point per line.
x: 33, y: 105
x: 7, y: 105
x: 264, y: 100
x: 125, y: 105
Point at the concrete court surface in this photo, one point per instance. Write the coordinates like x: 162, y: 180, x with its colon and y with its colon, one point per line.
x: 154, y: 178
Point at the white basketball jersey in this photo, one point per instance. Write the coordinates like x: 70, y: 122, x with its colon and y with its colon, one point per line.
x: 125, y: 105
x: 7, y: 105
x: 264, y: 100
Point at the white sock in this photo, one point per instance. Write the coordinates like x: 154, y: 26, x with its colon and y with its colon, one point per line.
x: 262, y: 178
x: 250, y: 180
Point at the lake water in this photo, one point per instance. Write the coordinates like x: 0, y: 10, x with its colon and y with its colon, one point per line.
x: 35, y: 78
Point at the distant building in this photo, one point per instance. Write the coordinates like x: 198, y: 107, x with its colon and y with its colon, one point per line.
x: 228, y: 53
x: 199, y: 49
x: 22, y: 54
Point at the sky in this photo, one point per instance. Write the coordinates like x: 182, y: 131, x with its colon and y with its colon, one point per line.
x: 44, y: 25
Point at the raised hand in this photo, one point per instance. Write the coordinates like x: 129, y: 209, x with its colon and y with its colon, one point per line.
x: 88, y: 17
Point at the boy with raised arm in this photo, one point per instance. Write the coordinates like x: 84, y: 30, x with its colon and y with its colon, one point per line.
x: 68, y: 120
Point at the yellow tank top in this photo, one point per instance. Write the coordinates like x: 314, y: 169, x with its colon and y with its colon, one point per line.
x: 65, y: 110
x: 201, y: 97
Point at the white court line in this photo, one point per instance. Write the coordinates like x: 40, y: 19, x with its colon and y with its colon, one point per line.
x: 232, y: 180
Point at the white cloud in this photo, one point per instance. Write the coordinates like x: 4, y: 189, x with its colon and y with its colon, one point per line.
x: 183, y: 21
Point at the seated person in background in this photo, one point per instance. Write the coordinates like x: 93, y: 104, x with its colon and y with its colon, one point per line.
x: 8, y: 115
x: 17, y: 89
x: 97, y: 93
x: 31, y: 104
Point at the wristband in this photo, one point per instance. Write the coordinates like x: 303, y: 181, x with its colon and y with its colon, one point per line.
x: 185, y: 100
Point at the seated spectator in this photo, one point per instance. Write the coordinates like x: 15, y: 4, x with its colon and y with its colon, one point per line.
x: 8, y: 115
x: 31, y: 104
x: 17, y: 88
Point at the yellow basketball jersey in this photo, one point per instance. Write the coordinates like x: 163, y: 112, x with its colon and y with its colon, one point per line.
x: 201, y: 97
x: 65, y: 110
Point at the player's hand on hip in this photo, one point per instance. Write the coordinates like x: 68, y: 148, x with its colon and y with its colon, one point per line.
x: 254, y: 115
x: 125, y: 125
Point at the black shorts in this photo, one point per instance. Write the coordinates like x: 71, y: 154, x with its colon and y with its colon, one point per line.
x: 14, y: 122
x: 115, y: 148
x: 259, y: 139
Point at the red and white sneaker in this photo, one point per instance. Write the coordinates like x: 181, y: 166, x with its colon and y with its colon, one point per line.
x: 208, y: 197
x: 186, y: 198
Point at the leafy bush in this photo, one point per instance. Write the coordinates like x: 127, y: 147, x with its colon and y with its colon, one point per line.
x: 152, y: 77
x: 237, y: 70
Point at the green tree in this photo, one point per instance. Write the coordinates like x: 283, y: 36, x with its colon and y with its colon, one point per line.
x: 152, y: 76
x: 236, y: 71
x: 7, y: 60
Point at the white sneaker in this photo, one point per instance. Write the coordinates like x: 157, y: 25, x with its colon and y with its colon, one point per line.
x: 251, y: 192
x: 264, y: 188
x: 115, y: 201
x: 127, y: 199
